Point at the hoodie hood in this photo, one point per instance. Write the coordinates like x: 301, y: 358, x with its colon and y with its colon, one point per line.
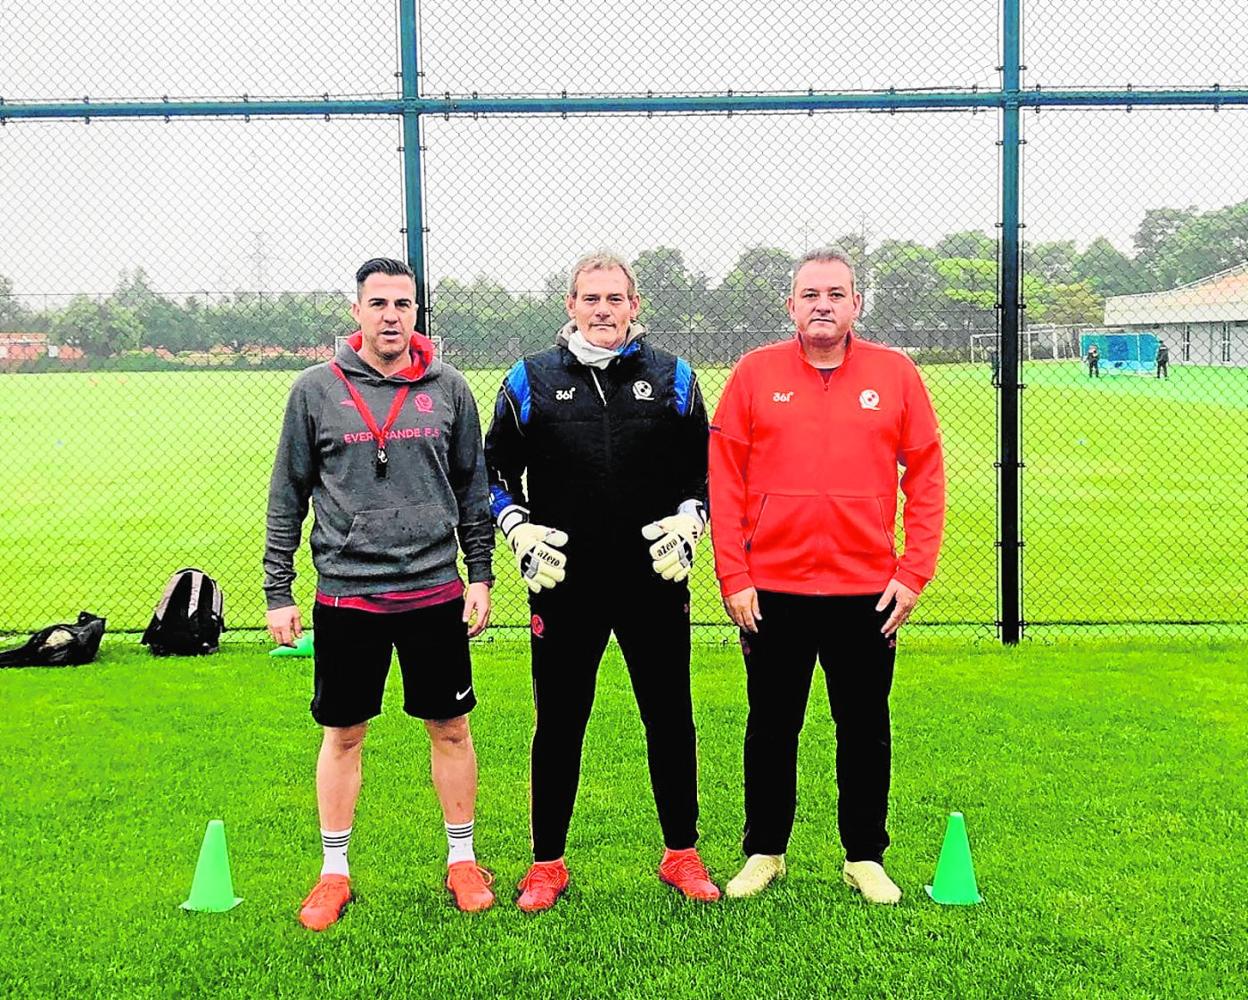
x: 421, y: 352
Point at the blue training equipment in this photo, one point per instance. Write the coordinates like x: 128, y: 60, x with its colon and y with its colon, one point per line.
x: 1124, y: 353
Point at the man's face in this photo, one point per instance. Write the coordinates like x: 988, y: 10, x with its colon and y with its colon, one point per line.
x: 601, y: 308
x: 824, y: 305
x: 386, y: 312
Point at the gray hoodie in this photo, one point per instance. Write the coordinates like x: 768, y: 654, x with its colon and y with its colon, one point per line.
x: 374, y: 534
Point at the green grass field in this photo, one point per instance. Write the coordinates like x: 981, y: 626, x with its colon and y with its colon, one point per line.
x: 1102, y: 785
x: 1133, y: 505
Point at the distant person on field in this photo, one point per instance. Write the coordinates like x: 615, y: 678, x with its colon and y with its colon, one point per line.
x: 1163, y: 361
x: 385, y: 443
x: 597, y: 460
x: 1094, y: 361
x: 994, y: 360
x: 804, y: 455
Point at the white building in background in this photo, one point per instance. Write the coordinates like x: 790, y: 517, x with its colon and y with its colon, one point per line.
x: 1204, y: 322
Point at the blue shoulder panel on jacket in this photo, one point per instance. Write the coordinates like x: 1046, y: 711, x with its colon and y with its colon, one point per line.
x: 632, y: 347
x: 500, y: 499
x: 518, y: 384
x: 684, y: 386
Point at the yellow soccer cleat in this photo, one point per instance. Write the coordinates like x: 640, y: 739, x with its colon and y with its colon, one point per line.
x: 870, y: 879
x: 759, y: 872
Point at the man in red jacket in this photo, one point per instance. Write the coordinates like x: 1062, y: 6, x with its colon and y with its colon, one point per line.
x: 804, y: 455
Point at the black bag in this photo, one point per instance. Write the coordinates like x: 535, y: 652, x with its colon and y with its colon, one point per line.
x: 62, y: 645
x: 188, y: 621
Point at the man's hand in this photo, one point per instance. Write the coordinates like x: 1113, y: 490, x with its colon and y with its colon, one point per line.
x: 742, y: 608
x: 677, y: 544
x: 284, y: 625
x: 536, y: 549
x: 477, y: 608
x: 906, y: 600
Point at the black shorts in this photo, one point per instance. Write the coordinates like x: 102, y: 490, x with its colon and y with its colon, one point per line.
x: 352, y: 658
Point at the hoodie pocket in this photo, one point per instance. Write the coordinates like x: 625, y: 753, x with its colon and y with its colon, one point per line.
x: 401, y: 540
x: 805, y: 537
x: 856, y: 526
x: 780, y: 540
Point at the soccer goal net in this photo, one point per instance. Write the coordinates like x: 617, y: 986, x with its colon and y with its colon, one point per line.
x: 1123, y: 353
x: 1039, y: 343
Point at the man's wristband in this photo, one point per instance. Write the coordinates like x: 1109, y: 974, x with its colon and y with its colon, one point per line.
x: 694, y: 509
x: 511, y: 517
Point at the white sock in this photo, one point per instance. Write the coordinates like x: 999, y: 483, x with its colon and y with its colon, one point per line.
x: 335, y: 843
x: 459, y: 843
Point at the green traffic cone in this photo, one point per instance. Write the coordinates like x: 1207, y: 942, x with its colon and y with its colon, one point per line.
x: 954, y: 883
x: 212, y: 891
x: 302, y: 647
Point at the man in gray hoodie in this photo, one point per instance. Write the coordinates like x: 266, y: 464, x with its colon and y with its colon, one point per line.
x: 385, y: 442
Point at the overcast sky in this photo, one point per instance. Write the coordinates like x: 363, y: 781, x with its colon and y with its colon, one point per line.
x: 297, y: 204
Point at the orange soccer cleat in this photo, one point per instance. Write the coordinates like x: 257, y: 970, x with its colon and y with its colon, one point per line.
x: 685, y: 870
x: 470, y: 885
x: 325, y: 902
x: 542, y: 885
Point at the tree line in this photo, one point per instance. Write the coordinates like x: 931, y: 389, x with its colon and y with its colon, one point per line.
x: 917, y: 295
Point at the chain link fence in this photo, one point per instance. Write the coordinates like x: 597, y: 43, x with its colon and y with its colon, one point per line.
x: 163, y: 279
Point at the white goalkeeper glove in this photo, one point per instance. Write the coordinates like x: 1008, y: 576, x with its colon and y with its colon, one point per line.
x: 536, y: 548
x: 676, y: 540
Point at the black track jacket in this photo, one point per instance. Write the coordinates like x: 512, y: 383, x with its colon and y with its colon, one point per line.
x: 606, y: 451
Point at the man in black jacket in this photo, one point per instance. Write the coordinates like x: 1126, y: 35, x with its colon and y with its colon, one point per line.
x: 613, y: 435
x: 1094, y: 361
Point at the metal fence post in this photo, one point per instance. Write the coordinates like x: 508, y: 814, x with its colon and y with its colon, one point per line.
x: 1009, y: 542
x: 413, y: 188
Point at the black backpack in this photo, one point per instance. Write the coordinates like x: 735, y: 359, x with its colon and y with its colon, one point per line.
x: 188, y: 621
x: 62, y: 645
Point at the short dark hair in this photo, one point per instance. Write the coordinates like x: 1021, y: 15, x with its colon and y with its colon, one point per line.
x: 381, y: 265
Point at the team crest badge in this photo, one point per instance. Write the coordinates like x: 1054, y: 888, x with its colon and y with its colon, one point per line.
x: 537, y: 626
x: 423, y: 402
x: 869, y: 399
x: 643, y: 389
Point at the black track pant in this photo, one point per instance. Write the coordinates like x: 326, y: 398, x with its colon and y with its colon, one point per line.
x: 857, y: 660
x: 569, y: 634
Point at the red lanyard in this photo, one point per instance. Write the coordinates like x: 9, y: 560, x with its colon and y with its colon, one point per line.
x: 379, y: 434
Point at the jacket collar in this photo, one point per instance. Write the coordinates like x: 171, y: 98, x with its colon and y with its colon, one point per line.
x: 632, y: 344
x: 850, y: 338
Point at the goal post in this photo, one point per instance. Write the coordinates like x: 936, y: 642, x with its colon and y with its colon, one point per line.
x: 1036, y: 343
x: 982, y: 344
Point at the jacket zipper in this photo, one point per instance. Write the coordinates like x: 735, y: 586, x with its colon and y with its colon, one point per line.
x: 598, y: 385
x: 606, y: 423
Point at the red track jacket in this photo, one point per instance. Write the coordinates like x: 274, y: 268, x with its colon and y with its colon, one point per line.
x: 803, y: 473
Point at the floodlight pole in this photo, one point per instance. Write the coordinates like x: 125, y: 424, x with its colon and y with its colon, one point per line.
x: 1009, y: 451
x: 413, y: 187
